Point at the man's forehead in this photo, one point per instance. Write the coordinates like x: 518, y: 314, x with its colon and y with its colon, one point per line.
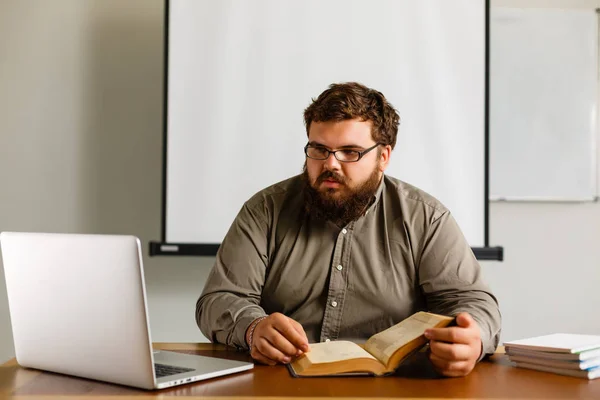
x: 341, y: 133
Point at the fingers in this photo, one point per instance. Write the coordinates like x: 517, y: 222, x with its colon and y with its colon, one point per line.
x: 455, y: 350
x: 465, y: 320
x: 270, y: 351
x: 300, y: 330
x: 465, y: 332
x: 261, y: 358
x: 451, y: 368
x: 282, y: 343
x: 289, y: 331
x: 450, y: 351
x: 296, y: 325
x: 453, y: 334
x: 278, y: 338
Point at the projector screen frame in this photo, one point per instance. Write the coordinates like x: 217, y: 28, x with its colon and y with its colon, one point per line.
x: 164, y: 248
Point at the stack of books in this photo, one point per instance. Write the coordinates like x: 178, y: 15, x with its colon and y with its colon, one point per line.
x: 560, y: 353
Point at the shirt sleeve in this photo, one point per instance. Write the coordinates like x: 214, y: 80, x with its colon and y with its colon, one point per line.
x: 231, y: 297
x: 451, y: 280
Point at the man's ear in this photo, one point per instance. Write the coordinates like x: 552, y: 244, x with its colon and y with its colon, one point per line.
x: 384, y: 159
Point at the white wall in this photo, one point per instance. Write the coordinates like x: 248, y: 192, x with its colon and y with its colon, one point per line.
x: 80, y: 151
x: 551, y: 273
x: 81, y: 137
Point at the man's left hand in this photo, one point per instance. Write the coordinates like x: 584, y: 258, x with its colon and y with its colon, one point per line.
x: 455, y: 350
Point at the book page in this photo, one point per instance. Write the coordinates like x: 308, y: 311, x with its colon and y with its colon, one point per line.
x: 383, y: 344
x: 335, y: 351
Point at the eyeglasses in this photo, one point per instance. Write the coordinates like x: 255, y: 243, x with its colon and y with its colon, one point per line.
x: 321, y: 153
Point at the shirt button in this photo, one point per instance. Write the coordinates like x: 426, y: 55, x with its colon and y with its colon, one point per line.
x: 339, y: 267
x: 344, y: 231
x: 328, y: 340
x: 334, y: 303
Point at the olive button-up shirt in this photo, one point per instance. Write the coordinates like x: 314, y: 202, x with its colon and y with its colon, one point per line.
x: 405, y: 254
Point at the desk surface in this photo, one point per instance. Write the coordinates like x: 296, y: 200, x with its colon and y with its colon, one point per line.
x: 491, y: 379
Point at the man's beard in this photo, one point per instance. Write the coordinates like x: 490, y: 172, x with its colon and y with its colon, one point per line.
x: 343, y: 207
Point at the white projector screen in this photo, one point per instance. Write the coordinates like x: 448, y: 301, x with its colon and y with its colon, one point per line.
x: 240, y: 74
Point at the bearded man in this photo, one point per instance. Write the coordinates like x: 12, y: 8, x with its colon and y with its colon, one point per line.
x: 343, y: 251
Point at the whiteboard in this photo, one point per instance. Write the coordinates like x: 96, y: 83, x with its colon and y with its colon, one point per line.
x: 241, y: 73
x: 543, y: 104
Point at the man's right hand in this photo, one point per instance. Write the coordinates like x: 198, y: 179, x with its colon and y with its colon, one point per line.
x: 277, y: 338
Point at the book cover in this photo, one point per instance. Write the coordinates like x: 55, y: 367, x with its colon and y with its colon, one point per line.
x: 582, y: 356
x: 557, y: 342
x: 563, y: 364
x: 586, y: 374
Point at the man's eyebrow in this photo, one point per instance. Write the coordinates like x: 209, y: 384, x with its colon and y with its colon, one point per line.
x: 348, y: 146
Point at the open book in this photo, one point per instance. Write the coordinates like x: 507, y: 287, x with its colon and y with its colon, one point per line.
x: 381, y: 355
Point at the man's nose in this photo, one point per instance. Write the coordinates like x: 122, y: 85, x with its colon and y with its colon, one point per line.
x: 332, y: 163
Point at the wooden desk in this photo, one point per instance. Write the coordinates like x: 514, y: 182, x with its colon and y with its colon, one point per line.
x: 491, y: 379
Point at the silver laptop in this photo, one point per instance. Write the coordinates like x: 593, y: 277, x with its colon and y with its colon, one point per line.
x: 78, y: 307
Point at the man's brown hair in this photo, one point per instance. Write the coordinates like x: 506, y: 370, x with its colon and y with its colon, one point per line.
x: 350, y: 100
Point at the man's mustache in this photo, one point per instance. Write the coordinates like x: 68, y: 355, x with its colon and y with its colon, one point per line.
x: 331, y: 176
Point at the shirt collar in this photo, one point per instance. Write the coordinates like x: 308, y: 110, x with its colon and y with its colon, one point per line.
x: 376, y: 196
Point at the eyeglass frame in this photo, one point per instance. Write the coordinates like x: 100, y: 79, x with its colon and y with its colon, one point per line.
x: 330, y: 152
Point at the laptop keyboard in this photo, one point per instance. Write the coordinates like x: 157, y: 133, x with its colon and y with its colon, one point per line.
x: 162, y: 370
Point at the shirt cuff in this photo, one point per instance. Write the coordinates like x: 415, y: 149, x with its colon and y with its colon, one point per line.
x: 238, y: 337
x: 487, y: 347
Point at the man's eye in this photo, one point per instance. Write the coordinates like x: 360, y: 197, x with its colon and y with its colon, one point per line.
x: 349, y: 153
